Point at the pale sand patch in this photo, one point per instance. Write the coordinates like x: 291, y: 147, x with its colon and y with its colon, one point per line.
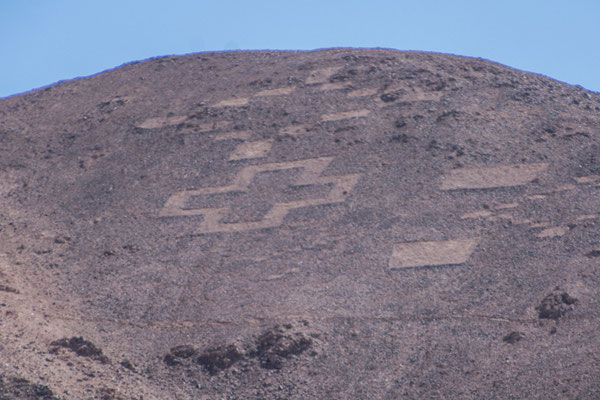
x: 563, y: 188
x: 540, y: 224
x: 160, y: 122
x: 363, y: 92
x: 502, y: 216
x: 506, y: 205
x: 587, y: 179
x: 321, y: 75
x: 480, y: 178
x: 251, y: 150
x: 279, y: 276
x: 345, y: 115
x: 553, y: 232
x: 421, y: 95
x: 276, y: 92
x: 334, y: 86
x: 522, y: 221
x: 443, y: 252
x: 410, y: 94
x: 587, y: 216
x: 477, y: 214
x: 234, y: 102
x: 233, y: 135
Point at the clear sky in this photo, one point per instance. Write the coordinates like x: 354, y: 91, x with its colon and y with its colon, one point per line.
x: 44, y: 41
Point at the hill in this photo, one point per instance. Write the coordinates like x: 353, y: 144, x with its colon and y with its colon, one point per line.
x: 343, y: 223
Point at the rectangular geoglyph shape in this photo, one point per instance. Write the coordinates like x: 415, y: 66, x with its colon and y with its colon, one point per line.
x: 480, y: 178
x: 442, y: 252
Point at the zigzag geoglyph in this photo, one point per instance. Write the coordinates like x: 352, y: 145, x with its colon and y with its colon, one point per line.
x: 311, y: 175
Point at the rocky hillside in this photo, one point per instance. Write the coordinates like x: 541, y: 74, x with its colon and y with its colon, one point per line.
x: 334, y: 224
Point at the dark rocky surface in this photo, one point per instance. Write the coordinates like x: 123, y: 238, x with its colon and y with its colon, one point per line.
x: 364, y: 224
x: 19, y: 388
x: 79, y: 346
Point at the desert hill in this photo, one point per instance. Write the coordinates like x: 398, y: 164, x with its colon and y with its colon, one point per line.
x: 340, y: 224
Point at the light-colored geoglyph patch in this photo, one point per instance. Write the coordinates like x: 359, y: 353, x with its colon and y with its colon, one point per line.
x: 492, y: 216
x: 213, y: 126
x: 233, y: 102
x: 476, y: 214
x: 563, y: 188
x: 276, y: 92
x: 345, y: 115
x: 507, y: 205
x: 311, y: 175
x: 321, y: 75
x: 334, y: 86
x: 553, y: 232
x: 363, y: 92
x: 256, y: 149
x: 584, y: 217
x: 481, y: 178
x: 521, y: 221
x: 541, y: 224
x: 442, y: 252
x: 588, y: 179
x: 408, y: 94
x: 161, y: 122
x: 502, y: 216
x: 233, y: 135
x: 421, y: 95
x: 508, y: 211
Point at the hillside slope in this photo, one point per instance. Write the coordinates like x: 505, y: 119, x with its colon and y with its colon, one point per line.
x: 365, y: 224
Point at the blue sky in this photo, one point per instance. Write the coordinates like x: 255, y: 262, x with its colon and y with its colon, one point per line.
x: 44, y: 41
